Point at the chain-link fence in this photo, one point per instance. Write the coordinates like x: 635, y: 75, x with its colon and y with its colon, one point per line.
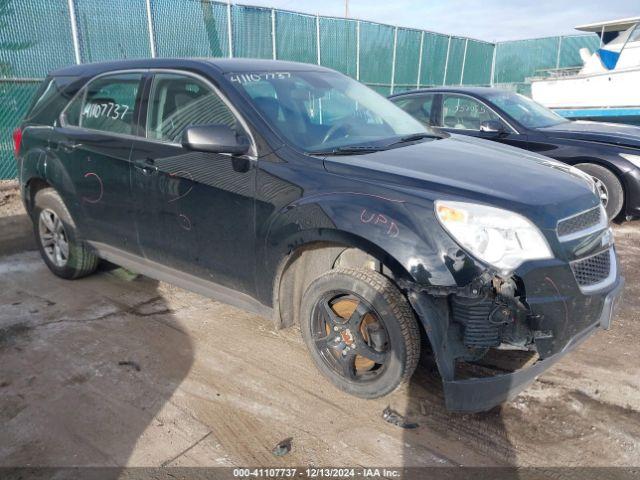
x: 15, y: 96
x: 41, y: 35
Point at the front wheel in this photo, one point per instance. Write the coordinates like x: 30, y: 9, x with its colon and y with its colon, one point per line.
x: 608, y: 187
x: 360, y: 331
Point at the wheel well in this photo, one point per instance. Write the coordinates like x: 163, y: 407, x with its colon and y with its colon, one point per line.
x: 309, y: 261
x: 34, y: 186
x: 614, y: 171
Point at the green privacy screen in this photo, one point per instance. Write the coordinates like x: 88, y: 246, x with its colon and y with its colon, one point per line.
x: 190, y: 28
x: 110, y: 29
x: 375, y: 66
x: 407, y: 59
x: 456, y: 62
x: 296, y: 37
x: 570, y: 49
x: 434, y: 59
x: 477, y: 63
x: 15, y: 98
x: 338, y: 45
x: 519, y: 60
x: 37, y: 37
x: 251, y: 35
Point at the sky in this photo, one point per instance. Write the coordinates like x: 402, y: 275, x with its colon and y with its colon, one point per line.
x: 490, y: 20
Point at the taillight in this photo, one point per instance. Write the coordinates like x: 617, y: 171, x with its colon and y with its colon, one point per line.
x: 17, y: 141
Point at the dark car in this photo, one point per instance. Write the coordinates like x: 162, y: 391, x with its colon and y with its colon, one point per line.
x: 609, y: 152
x: 295, y: 192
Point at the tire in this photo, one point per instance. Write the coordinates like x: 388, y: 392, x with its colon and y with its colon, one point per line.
x: 78, y: 260
x: 385, y: 345
x: 612, y: 187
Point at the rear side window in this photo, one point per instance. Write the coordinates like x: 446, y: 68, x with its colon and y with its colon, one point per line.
x: 52, y: 96
x: 106, y: 104
x: 418, y: 106
x: 178, y: 101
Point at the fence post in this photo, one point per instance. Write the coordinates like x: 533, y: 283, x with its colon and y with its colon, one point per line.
x: 446, y: 62
x: 393, y: 61
x: 464, y: 59
x: 273, y: 33
x: 358, y: 50
x: 318, y: 37
x: 420, y: 59
x: 152, y: 37
x: 229, y: 29
x: 74, y: 30
x: 559, y: 50
x: 493, y: 64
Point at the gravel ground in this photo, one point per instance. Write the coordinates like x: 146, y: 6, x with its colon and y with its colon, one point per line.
x: 10, y: 202
x: 117, y: 369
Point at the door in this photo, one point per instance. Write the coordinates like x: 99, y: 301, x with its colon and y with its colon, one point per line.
x: 464, y: 114
x: 93, y: 142
x: 194, y: 210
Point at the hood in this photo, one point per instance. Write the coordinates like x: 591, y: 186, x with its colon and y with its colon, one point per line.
x: 611, y: 133
x: 471, y: 169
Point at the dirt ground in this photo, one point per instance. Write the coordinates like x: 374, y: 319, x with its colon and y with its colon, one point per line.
x: 119, y: 370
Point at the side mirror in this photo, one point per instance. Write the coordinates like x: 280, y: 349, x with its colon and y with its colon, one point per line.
x: 215, y: 139
x: 492, y: 127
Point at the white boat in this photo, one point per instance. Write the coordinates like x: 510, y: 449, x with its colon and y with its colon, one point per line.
x: 607, y: 85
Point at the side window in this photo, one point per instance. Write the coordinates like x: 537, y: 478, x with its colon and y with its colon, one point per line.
x: 178, y: 101
x: 418, y: 106
x: 464, y: 113
x: 106, y: 104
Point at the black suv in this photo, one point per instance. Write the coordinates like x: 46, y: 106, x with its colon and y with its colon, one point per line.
x: 295, y: 192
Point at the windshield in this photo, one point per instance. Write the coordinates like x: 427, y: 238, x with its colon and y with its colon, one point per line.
x: 524, y: 110
x: 326, y: 111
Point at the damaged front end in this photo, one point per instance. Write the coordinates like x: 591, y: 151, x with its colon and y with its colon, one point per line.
x: 494, y: 336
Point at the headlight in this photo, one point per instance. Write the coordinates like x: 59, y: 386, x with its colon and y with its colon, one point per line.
x: 635, y: 159
x: 498, y: 237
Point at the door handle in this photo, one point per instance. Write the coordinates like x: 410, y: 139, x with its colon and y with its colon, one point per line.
x: 146, y: 166
x: 69, y: 145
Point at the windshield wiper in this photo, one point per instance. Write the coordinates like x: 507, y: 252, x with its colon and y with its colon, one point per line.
x: 351, y: 150
x: 416, y: 136
x: 359, y: 149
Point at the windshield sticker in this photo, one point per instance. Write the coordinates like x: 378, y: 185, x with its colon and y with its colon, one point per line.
x: 244, y: 78
x: 107, y: 109
x: 474, y: 108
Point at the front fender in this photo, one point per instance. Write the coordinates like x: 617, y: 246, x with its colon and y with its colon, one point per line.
x: 405, y: 235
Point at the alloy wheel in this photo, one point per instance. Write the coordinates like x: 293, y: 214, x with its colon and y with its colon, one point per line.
x: 350, y: 336
x: 53, y: 238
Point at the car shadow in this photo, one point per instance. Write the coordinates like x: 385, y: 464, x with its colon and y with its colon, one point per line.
x: 435, y: 436
x: 89, y: 369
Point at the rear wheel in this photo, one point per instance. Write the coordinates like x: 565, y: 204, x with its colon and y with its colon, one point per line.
x: 55, y: 233
x: 608, y: 186
x: 360, y: 331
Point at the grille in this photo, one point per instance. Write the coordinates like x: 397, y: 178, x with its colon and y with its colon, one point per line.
x: 592, y: 270
x: 579, y: 222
